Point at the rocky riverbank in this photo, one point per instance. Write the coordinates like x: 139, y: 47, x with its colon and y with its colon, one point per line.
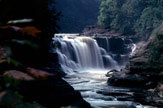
x: 98, y: 32
x: 144, y: 73
x: 30, y: 78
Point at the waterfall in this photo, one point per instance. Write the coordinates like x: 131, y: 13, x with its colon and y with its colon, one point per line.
x: 81, y: 52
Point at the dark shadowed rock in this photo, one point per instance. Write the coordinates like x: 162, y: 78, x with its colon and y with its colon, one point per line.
x: 123, y: 79
x: 9, y: 99
x: 52, y: 92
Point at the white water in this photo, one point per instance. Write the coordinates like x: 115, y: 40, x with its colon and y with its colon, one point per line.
x: 90, y: 84
x: 78, y: 53
x: 89, y: 63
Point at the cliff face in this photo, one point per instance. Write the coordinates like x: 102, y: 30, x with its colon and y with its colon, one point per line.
x: 77, y: 14
x: 145, y: 71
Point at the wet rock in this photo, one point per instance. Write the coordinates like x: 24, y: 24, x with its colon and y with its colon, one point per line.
x: 54, y: 65
x: 123, y: 79
x: 111, y: 72
x: 134, y: 74
x: 125, y: 98
x: 114, y: 70
x: 144, y: 75
x: 114, y: 93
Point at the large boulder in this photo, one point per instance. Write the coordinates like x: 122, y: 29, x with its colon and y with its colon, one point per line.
x: 124, y: 79
x: 45, y: 88
x: 52, y: 92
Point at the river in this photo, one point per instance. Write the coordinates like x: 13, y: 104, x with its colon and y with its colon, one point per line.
x: 86, y: 61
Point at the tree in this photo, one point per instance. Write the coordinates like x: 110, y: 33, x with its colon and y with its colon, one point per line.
x: 131, y: 17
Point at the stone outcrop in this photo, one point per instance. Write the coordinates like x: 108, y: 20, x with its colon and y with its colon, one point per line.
x: 141, y: 74
x: 27, y: 78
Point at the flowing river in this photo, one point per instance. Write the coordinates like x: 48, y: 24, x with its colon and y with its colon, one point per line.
x: 86, y: 61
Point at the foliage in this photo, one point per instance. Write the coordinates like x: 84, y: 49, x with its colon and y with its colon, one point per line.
x: 131, y: 16
x: 156, y: 56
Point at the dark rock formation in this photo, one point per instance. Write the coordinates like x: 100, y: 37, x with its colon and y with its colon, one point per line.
x: 119, y: 48
x: 53, y: 92
x: 30, y: 75
x: 141, y: 74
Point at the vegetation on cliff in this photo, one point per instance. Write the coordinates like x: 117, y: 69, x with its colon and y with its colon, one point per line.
x: 145, y: 71
x: 131, y: 17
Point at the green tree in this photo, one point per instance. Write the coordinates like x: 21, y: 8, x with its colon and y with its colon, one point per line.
x: 131, y: 17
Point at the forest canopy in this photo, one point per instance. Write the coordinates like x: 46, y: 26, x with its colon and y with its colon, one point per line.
x: 131, y: 17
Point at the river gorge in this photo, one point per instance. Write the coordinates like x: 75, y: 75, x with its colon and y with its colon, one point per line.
x: 81, y: 54
x: 87, y: 60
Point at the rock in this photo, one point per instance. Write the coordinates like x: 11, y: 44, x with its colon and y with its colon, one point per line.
x: 9, y: 99
x: 114, y: 70
x: 134, y: 74
x: 123, y: 79
x: 39, y: 74
x: 155, y: 96
x: 114, y: 93
x: 54, y: 65
x: 17, y: 75
x: 138, y: 61
x: 109, y: 74
x: 51, y: 93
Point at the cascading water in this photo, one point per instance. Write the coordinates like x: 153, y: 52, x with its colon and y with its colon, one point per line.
x: 82, y: 53
x: 89, y: 59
